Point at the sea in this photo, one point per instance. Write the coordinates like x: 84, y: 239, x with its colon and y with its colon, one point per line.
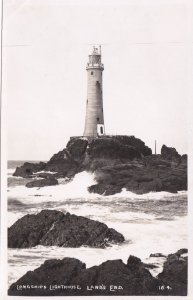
x: 155, y: 222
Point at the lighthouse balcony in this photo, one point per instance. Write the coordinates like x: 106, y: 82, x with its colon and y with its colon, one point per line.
x: 95, y: 66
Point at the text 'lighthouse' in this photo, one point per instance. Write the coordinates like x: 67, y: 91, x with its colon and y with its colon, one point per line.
x: 94, y: 123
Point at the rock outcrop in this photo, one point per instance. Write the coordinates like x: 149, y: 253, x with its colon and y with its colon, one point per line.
x: 117, y: 162
x: 118, y: 147
x: 170, y: 154
x: 42, y: 182
x: 112, y: 277
x: 175, y: 273
x: 80, y: 153
x: 70, y: 276
x: 151, y: 173
x: 28, y: 169
x: 53, y: 228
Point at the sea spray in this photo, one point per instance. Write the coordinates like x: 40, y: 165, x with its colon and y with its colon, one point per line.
x: 150, y: 223
x: 78, y: 187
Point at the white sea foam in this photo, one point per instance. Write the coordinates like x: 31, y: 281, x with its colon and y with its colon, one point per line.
x: 81, y: 200
x: 10, y: 171
x: 47, y: 172
x: 126, y: 212
x: 73, y: 189
x: 151, y: 195
x: 78, y: 187
x: 142, y: 239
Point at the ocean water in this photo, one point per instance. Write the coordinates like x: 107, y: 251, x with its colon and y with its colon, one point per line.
x: 151, y: 223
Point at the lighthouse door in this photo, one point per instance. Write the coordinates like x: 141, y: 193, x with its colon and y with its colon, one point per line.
x: 100, y: 129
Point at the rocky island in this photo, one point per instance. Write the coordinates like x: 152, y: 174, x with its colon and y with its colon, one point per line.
x: 117, y: 162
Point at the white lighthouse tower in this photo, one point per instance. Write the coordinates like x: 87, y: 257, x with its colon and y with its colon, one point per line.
x: 94, y: 123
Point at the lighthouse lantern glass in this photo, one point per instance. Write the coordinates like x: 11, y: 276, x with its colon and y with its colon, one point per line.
x: 94, y: 59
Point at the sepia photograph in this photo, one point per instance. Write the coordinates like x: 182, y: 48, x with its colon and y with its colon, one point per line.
x: 95, y: 100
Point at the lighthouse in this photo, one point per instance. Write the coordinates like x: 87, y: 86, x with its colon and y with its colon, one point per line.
x: 94, y: 122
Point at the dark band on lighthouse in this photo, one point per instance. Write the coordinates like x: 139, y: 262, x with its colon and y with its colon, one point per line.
x: 94, y: 123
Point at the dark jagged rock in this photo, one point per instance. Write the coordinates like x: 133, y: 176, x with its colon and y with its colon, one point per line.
x: 105, y: 190
x: 112, y: 277
x: 80, y: 152
x: 68, y: 161
x: 77, y: 149
x: 170, y: 153
x: 53, y: 228
x: 118, y: 162
x: 63, y: 164
x: 184, y: 158
x: 175, y: 273
x: 52, y: 272
x: 134, y: 263
x: 45, y: 175
x: 69, y: 277
x: 182, y: 251
x: 113, y: 149
x: 28, y: 169
x: 140, y: 176
x: 42, y: 182
x: 138, y: 144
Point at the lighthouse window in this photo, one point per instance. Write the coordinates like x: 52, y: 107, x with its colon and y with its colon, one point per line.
x: 98, y: 84
x: 101, y: 129
x: 91, y: 73
x: 97, y: 119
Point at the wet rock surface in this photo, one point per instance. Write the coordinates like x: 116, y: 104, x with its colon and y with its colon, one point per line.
x: 27, y: 170
x: 117, y: 162
x: 42, y: 182
x: 112, y: 277
x: 175, y: 272
x: 151, y: 173
x: 53, y: 228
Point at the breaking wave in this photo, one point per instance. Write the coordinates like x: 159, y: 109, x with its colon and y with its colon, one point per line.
x: 150, y: 222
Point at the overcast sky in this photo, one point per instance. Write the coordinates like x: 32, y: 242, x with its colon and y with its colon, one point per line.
x: 145, y: 51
